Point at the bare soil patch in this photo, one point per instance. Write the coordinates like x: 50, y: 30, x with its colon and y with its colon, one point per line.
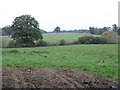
x: 52, y: 78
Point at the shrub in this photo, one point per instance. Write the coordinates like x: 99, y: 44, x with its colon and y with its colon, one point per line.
x: 100, y: 40
x: 53, y: 44
x: 112, y: 37
x: 13, y: 51
x: 4, y: 43
x: 42, y: 43
x: 62, y: 42
x: 75, y: 42
x: 29, y: 44
x: 20, y: 43
x: 86, y: 39
x: 92, y: 40
x: 12, y: 44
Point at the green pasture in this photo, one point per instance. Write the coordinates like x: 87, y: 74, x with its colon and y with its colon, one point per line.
x: 101, y: 59
x: 68, y: 37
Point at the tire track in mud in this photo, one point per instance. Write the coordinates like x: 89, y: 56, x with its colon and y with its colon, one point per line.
x: 69, y: 81
x: 17, y: 79
x: 52, y: 78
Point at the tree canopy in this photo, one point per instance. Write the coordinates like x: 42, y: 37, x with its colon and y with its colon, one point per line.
x: 57, y: 29
x: 98, y: 31
x: 26, y: 29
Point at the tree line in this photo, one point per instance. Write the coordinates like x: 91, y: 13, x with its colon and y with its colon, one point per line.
x: 7, y: 31
x: 25, y: 30
x: 91, y: 30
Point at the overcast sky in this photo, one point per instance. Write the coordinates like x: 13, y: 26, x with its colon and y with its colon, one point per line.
x: 68, y: 14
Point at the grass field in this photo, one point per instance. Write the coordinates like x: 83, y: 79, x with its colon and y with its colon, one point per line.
x: 55, y: 38
x: 100, y: 59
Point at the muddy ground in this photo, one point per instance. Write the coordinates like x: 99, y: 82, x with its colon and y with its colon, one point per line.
x: 52, y: 78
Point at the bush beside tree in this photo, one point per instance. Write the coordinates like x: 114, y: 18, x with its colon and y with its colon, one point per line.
x: 91, y: 40
x: 42, y: 43
x: 62, y: 42
x: 112, y: 37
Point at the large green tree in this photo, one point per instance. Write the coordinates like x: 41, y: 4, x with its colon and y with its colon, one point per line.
x: 26, y: 30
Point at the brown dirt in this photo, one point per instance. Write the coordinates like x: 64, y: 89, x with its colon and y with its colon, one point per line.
x: 52, y: 78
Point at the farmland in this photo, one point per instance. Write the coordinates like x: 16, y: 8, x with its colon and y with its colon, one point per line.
x: 99, y: 59
x: 59, y: 44
x: 74, y: 66
x: 55, y: 38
